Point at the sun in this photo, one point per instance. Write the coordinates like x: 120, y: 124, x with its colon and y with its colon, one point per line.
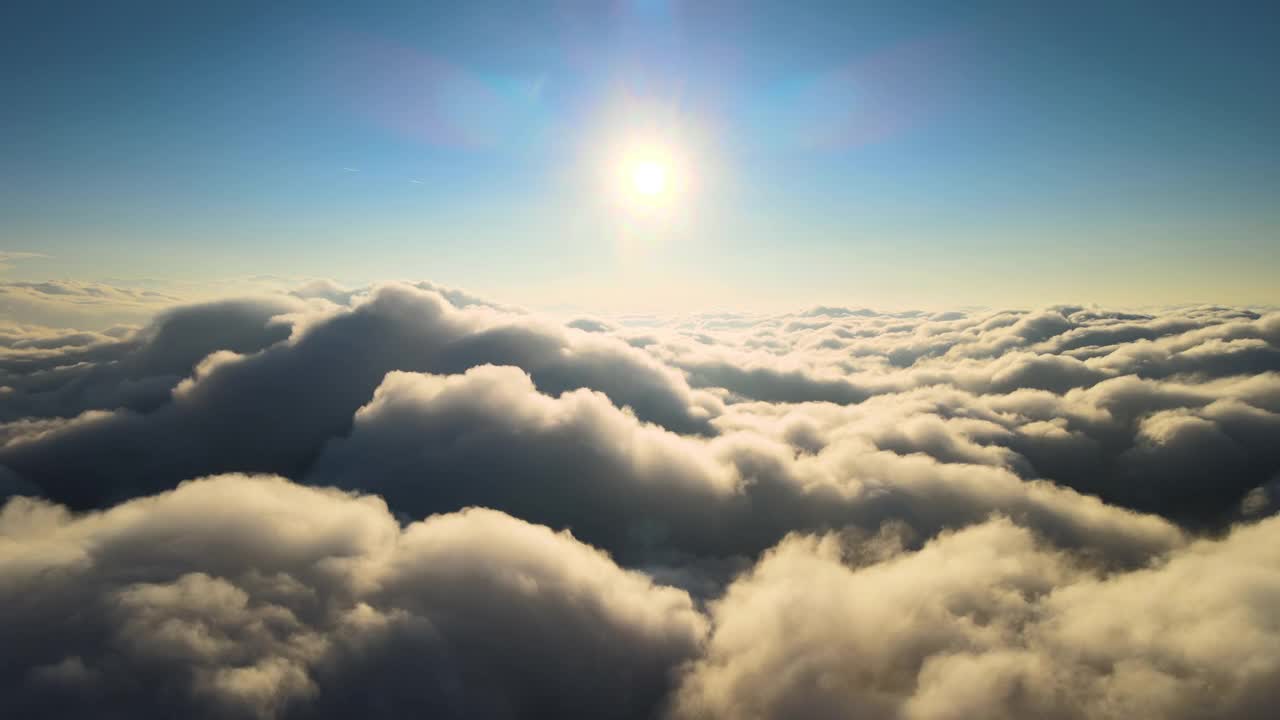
x: 649, y: 178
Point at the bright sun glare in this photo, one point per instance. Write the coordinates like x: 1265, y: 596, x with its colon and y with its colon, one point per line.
x: 649, y: 178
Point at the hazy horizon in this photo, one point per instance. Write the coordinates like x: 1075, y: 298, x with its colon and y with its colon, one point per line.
x: 826, y: 152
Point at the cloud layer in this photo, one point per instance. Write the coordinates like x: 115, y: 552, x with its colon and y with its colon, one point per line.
x: 463, y: 509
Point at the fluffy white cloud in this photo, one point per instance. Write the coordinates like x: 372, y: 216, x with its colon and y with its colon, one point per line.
x: 1059, y: 513
x: 488, y: 437
x: 240, y: 596
x: 989, y: 622
x: 254, y: 597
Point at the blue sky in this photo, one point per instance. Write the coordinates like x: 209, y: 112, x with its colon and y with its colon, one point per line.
x: 886, y: 154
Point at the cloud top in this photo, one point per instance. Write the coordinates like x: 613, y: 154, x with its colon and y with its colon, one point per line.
x: 405, y: 499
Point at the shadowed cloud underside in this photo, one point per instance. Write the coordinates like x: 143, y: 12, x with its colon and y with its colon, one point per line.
x: 405, y: 499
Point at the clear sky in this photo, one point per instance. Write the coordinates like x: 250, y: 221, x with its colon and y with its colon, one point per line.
x: 886, y: 154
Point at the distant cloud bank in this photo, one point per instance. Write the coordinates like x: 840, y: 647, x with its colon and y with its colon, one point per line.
x: 407, y: 500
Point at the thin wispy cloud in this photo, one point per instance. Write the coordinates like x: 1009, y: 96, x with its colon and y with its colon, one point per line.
x: 8, y: 257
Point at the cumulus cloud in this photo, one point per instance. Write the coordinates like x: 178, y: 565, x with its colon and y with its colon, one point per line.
x: 241, y: 596
x: 990, y: 622
x: 244, y: 596
x: 432, y: 443
x: 64, y: 373
x: 482, y: 511
x: 1095, y: 376
x: 1166, y: 413
x: 303, y: 390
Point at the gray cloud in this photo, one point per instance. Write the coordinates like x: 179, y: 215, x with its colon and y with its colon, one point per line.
x: 989, y: 622
x: 1057, y: 513
x: 434, y: 443
x: 53, y: 374
x: 253, y: 597
x: 304, y: 391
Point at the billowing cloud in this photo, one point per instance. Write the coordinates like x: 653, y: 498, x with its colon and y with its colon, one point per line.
x: 303, y: 390
x: 442, y: 505
x: 244, y: 596
x: 990, y: 622
x: 254, y: 597
x: 431, y: 443
x: 62, y: 374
